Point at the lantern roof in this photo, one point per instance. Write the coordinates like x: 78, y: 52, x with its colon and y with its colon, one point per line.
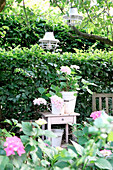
x: 49, y: 42
x: 49, y: 36
x: 73, y: 16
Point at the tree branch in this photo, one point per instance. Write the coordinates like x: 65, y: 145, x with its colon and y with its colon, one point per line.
x: 2, y: 4
x: 89, y: 16
x: 61, y: 8
x: 92, y: 37
x: 25, y: 12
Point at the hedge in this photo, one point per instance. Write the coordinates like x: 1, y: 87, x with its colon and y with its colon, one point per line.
x: 25, y: 36
x: 18, y: 88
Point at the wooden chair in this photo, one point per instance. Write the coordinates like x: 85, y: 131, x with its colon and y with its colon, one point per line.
x: 102, y: 101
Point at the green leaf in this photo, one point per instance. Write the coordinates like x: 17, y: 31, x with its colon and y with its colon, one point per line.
x: 110, y: 136
x: 93, y: 129
x: 5, y: 27
x: 29, y: 148
x: 24, y: 138
x: 63, y: 84
x: 9, y: 166
x: 55, y: 88
x: 8, y: 121
x: 27, y: 128
x: 79, y: 148
x: 19, y: 1
x: 41, y: 90
x: 4, y: 160
x: 82, y: 140
x: 103, y: 164
x: 44, y: 163
x: 51, y: 93
x: 61, y: 164
x: 49, y: 134
x: 2, y: 152
x: 17, y: 161
x: 89, y: 91
x: 101, y: 122
x: 7, y: 134
x: 14, y: 121
x: 85, y: 130
x: 39, y: 152
x: 39, y: 168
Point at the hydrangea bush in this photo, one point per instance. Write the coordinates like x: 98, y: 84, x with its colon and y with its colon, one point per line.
x: 70, y: 80
x: 92, y: 148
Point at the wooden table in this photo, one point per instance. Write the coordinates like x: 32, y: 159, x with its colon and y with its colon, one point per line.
x: 59, y: 119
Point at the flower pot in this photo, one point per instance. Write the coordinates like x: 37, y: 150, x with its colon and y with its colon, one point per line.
x: 69, y: 101
x: 57, y: 141
x: 56, y: 110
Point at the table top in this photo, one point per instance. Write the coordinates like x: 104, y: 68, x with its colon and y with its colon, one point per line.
x: 48, y: 114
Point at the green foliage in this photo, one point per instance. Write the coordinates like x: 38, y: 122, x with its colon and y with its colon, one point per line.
x: 28, y: 24
x: 36, y: 149
x: 97, y: 17
x: 29, y: 73
x: 39, y: 155
x: 89, y: 143
x: 24, y: 35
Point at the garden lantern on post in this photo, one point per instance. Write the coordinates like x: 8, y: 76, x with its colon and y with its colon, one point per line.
x: 48, y: 42
x: 74, y: 18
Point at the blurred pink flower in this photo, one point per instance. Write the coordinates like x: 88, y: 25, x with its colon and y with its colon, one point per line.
x: 46, y: 144
x: 39, y: 101
x: 14, y: 144
x: 106, y: 152
x: 96, y: 114
x: 57, y: 101
x: 65, y: 69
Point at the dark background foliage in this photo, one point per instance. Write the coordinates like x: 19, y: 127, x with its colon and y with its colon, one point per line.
x: 23, y: 71
x: 27, y: 34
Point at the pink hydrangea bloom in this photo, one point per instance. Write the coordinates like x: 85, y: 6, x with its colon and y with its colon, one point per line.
x: 96, y: 114
x: 65, y: 69
x: 57, y: 101
x: 14, y: 144
x: 39, y: 101
x: 106, y: 152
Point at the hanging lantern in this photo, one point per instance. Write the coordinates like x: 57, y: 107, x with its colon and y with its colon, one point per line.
x: 74, y: 18
x: 48, y: 42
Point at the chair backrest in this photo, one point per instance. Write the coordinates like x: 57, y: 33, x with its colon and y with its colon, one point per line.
x: 102, y: 101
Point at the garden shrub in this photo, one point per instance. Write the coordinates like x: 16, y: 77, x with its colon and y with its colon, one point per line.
x: 92, y: 149
x: 25, y: 35
x: 24, y: 71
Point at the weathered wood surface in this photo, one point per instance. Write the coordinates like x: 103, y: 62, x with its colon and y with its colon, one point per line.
x: 106, y: 96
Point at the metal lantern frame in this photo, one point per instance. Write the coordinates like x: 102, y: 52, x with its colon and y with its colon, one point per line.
x: 49, y: 42
x: 74, y: 17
